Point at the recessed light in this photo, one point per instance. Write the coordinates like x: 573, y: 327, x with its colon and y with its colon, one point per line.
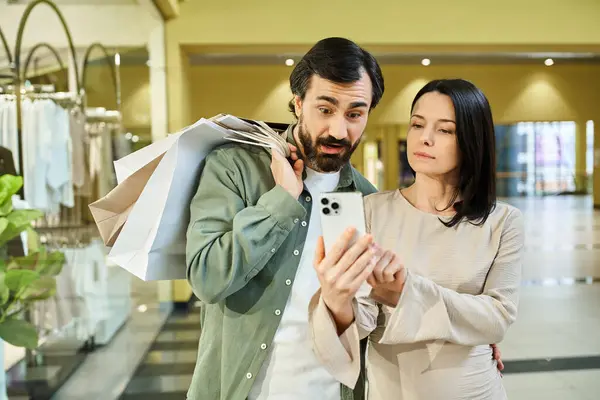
x: 289, y: 62
x: 426, y: 61
x: 549, y: 62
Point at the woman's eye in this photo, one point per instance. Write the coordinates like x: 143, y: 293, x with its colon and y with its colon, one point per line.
x: 324, y: 110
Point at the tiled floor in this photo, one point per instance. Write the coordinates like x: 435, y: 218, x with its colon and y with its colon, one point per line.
x: 166, y: 371
x: 552, y: 351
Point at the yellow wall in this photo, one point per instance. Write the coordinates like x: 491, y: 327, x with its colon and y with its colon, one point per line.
x: 135, y: 94
x: 516, y: 93
x: 388, y: 22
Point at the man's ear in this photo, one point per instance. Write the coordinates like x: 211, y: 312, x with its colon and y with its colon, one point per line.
x: 297, y: 106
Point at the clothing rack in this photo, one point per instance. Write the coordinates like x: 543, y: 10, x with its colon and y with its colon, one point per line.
x: 68, y: 228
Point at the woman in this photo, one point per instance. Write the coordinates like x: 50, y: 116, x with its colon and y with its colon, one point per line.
x: 447, y: 285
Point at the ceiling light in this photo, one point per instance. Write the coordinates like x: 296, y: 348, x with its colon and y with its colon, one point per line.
x: 135, y: 138
x: 426, y: 61
x: 289, y: 62
x: 549, y: 62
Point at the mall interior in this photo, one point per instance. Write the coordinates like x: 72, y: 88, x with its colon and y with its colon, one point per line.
x: 134, y: 71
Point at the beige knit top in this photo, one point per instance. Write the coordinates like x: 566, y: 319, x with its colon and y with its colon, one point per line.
x: 460, y: 295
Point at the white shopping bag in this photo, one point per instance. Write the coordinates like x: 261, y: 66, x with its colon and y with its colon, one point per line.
x: 129, y: 164
x: 151, y: 244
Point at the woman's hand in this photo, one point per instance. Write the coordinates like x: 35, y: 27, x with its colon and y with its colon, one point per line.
x: 387, y: 279
x: 342, y: 272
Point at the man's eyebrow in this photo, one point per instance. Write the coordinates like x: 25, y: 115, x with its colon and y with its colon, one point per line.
x: 329, y: 99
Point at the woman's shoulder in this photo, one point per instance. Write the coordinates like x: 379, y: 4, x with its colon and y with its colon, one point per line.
x: 507, y: 216
x: 379, y: 197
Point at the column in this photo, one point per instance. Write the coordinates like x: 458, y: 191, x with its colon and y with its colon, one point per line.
x: 391, y: 157
x: 158, y: 83
x: 581, y: 177
x: 596, y: 177
x: 179, y: 116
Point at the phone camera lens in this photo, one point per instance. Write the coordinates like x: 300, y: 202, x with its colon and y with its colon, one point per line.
x: 324, y: 201
x: 335, y: 206
x: 326, y: 211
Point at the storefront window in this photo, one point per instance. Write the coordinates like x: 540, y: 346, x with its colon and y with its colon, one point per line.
x: 535, y: 158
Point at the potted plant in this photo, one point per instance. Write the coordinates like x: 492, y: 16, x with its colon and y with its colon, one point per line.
x: 23, y: 280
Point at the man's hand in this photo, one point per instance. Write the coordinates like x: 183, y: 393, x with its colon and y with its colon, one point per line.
x: 286, y: 175
x: 342, y: 272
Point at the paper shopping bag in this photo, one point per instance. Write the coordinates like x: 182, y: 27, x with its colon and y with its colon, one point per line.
x: 127, y: 165
x: 111, y: 211
x: 151, y: 244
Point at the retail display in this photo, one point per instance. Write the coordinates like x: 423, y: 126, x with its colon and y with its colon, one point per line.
x: 64, y: 152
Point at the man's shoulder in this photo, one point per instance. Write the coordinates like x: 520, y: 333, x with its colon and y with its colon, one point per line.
x: 239, y: 155
x: 362, y: 184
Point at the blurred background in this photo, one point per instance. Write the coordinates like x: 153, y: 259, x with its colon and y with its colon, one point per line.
x: 140, y: 69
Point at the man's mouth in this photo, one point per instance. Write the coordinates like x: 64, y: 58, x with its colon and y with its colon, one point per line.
x: 332, y: 148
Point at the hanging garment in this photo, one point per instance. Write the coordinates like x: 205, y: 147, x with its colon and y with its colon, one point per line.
x: 8, y: 128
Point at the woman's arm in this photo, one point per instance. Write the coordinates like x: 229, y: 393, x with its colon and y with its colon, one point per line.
x: 427, y: 311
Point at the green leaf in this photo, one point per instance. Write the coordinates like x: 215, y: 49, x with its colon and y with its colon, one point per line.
x: 33, y: 240
x: 3, y: 225
x: 30, y: 262
x: 9, y: 185
x: 52, y: 265
x: 19, y: 279
x: 19, y: 333
x: 18, y: 221
x: 4, y: 292
x: 42, y: 289
x: 6, y: 208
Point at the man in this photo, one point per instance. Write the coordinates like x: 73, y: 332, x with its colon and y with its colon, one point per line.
x: 252, y: 235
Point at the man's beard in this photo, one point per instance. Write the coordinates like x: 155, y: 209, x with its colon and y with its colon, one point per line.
x: 315, y: 159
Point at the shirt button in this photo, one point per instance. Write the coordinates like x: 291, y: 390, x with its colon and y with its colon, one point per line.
x: 296, y: 220
x: 263, y: 346
x: 277, y: 312
x: 249, y: 375
x: 296, y: 252
x: 273, y: 250
x: 304, y: 223
x: 308, y: 198
x: 288, y: 282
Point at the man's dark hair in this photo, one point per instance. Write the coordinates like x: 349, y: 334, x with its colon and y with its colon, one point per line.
x: 338, y: 60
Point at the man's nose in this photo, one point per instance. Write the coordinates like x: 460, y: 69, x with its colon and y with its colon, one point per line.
x: 338, y: 128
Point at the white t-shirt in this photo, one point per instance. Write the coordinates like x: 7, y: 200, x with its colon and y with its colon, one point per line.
x: 292, y: 371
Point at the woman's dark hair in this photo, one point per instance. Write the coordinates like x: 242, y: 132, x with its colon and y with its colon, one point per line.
x: 338, y: 60
x: 477, y: 147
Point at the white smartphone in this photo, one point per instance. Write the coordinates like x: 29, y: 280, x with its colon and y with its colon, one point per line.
x: 341, y: 210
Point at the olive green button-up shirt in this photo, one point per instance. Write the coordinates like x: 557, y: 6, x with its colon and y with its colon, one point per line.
x: 241, y: 240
